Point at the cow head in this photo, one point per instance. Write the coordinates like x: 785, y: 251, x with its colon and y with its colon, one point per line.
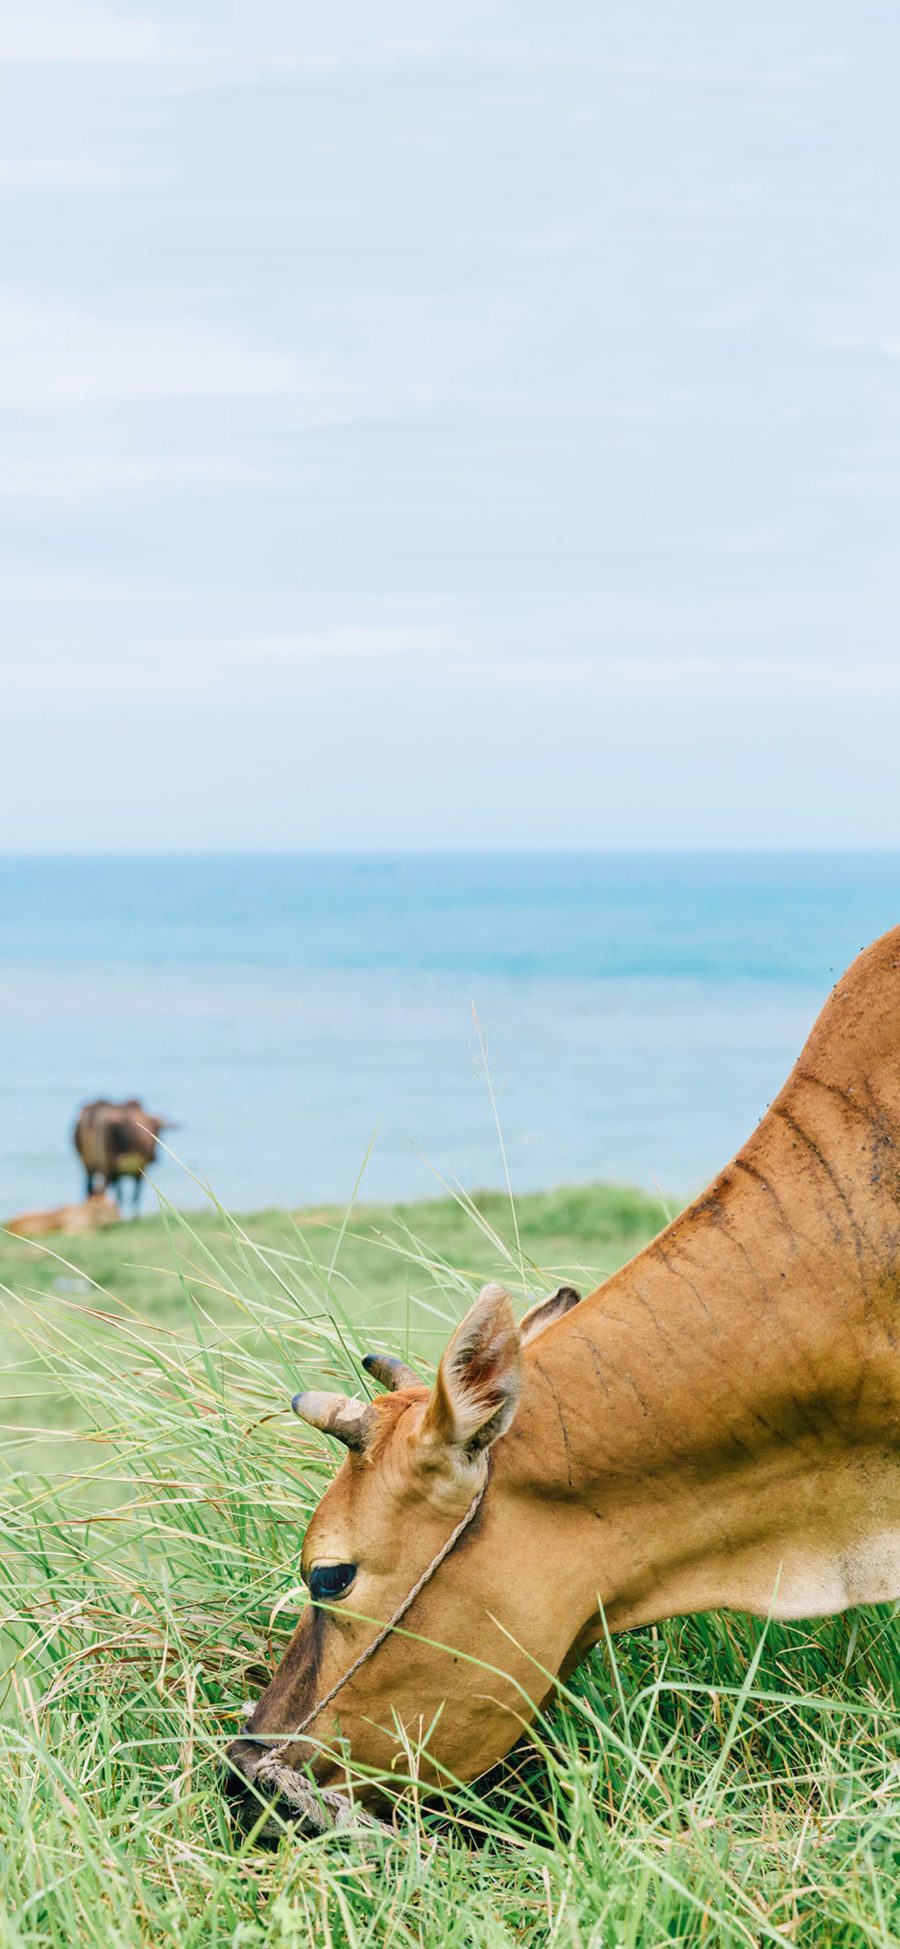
x: 467, y: 1666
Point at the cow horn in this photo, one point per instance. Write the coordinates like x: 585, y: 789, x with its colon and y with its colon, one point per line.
x: 547, y: 1310
x: 390, y: 1372
x: 340, y: 1415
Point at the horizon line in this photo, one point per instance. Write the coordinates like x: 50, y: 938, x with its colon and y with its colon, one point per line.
x: 34, y: 856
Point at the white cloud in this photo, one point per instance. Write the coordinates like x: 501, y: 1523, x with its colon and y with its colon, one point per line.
x: 864, y: 343
x: 74, y: 477
x: 206, y: 50
x: 64, y: 172
x: 38, y: 32
x: 53, y: 355
x: 717, y: 679
x: 179, y: 667
x: 350, y: 641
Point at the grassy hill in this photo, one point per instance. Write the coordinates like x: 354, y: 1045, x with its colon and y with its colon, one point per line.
x: 707, y: 1781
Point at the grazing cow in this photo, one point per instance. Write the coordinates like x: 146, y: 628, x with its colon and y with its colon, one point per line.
x: 97, y: 1211
x: 117, y: 1141
x: 717, y: 1425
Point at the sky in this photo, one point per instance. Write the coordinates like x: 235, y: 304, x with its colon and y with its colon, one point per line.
x: 449, y: 427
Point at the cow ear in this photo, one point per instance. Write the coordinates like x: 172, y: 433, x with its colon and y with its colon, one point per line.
x: 479, y: 1380
x: 546, y: 1311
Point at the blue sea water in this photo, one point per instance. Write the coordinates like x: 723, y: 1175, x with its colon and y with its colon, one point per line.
x: 639, y: 1013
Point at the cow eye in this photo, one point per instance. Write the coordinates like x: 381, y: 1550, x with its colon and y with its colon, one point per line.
x: 328, y: 1581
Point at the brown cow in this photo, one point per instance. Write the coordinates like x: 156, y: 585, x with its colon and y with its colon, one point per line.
x: 718, y: 1425
x: 93, y: 1215
x: 117, y: 1141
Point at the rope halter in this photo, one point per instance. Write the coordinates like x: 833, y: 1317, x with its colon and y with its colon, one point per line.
x: 290, y: 1784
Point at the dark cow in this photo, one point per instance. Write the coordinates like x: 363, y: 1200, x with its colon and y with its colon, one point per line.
x: 117, y: 1141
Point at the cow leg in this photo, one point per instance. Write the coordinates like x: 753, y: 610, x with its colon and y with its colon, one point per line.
x: 89, y: 1184
x: 136, y: 1194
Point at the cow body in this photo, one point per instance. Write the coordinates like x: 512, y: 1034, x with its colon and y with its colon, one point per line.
x: 97, y: 1211
x: 116, y: 1141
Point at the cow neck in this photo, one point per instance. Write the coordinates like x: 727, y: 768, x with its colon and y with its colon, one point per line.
x: 703, y: 1418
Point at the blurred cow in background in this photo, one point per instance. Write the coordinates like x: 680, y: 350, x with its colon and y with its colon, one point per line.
x: 117, y: 1141
x: 94, y: 1215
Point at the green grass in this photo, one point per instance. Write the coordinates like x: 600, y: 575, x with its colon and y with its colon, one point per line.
x: 707, y: 1782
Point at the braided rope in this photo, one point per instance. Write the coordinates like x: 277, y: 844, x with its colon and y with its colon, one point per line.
x: 273, y: 1753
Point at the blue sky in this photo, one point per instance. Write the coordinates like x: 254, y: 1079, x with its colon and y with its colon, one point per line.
x: 429, y: 426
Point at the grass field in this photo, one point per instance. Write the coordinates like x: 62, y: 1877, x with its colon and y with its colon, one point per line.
x: 710, y: 1781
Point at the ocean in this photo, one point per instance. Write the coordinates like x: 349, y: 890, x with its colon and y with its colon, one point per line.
x: 299, y: 1016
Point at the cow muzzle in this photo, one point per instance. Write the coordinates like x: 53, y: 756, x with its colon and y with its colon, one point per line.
x: 272, y: 1799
